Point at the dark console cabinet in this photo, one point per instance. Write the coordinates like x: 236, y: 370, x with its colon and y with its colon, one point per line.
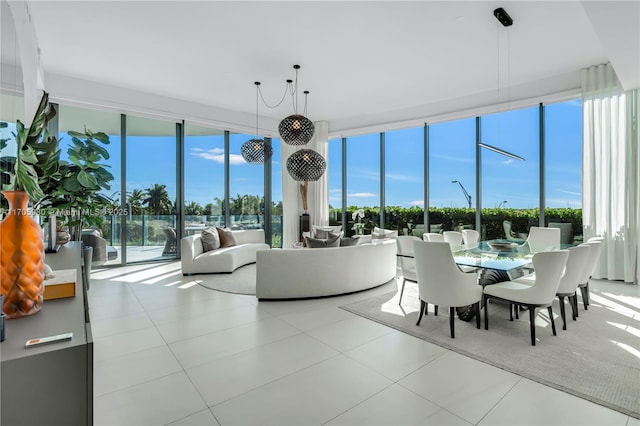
x: 50, y: 384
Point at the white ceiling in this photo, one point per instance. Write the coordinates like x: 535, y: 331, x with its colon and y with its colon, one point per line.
x: 365, y: 62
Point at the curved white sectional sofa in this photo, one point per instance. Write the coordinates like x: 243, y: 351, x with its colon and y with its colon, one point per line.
x: 302, y: 273
x: 195, y: 260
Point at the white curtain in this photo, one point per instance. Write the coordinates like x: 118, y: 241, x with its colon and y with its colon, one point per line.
x: 610, y: 181
x: 317, y: 196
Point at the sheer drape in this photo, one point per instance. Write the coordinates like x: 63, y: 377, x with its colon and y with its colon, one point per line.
x: 610, y: 171
x: 317, y: 196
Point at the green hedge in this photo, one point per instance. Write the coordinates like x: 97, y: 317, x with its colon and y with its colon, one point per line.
x: 451, y: 217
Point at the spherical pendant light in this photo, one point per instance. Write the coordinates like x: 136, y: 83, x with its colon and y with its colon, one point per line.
x: 296, y: 129
x: 256, y: 151
x: 306, y: 165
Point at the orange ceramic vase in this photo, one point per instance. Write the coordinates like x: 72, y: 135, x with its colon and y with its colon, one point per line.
x: 21, y: 259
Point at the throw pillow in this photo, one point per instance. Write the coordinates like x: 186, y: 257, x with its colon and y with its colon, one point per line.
x: 329, y: 228
x: 322, y: 243
x: 210, y: 239
x: 346, y: 242
x: 226, y: 238
x: 321, y: 234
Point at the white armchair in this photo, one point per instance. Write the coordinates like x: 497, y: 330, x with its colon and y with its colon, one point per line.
x: 441, y: 282
x: 548, y: 267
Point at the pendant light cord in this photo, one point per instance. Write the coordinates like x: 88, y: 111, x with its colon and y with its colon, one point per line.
x: 284, y: 95
x: 257, y: 83
x: 291, y: 88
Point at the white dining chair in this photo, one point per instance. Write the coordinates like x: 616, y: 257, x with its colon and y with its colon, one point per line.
x: 577, y: 262
x: 454, y: 238
x: 407, y: 261
x: 543, y: 239
x: 594, y: 255
x: 549, y: 267
x: 432, y: 236
x: 441, y: 282
x: 566, y: 231
x: 470, y: 238
x: 510, y: 235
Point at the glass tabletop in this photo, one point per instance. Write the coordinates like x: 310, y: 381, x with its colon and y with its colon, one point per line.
x: 498, y: 255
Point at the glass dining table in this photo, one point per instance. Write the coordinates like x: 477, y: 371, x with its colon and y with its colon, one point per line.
x: 497, y: 261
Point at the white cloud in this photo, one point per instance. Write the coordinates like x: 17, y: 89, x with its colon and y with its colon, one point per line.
x: 362, y: 195
x: 236, y: 159
x: 217, y: 155
x: 564, y: 191
x: 417, y: 203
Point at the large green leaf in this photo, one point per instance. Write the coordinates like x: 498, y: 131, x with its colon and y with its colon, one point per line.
x: 35, y: 155
x: 87, y: 180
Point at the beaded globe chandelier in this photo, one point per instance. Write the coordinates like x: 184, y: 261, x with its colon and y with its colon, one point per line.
x: 303, y: 165
x: 256, y: 151
x: 306, y: 165
x: 296, y: 129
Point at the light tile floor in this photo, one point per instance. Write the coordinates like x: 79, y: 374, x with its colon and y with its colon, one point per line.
x: 168, y: 351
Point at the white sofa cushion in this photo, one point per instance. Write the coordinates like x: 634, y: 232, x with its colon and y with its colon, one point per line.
x: 300, y: 273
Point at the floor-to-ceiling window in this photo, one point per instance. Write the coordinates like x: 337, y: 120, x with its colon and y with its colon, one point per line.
x: 563, y: 166
x: 151, y: 183
x: 510, y: 186
x: 452, y: 175
x: 363, y: 179
x: 109, y: 224
x: 334, y: 173
x: 246, y: 187
x: 203, y: 178
x: 11, y: 110
x: 404, y: 180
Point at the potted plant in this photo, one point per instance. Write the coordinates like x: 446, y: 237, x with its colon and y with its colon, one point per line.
x: 22, y: 248
x: 80, y: 181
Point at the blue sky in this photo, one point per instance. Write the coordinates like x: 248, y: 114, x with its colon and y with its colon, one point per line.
x: 505, y: 181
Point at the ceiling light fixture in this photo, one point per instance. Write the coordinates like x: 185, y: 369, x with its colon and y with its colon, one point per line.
x: 296, y: 129
x: 503, y: 17
x: 306, y: 164
x: 500, y: 151
x: 256, y: 151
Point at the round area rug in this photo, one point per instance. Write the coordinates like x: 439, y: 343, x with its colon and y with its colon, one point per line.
x: 240, y: 281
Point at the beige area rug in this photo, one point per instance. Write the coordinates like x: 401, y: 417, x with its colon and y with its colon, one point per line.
x: 240, y: 281
x: 597, y: 358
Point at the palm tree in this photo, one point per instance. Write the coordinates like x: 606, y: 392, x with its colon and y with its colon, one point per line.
x: 193, y: 208
x: 135, y: 200
x: 158, y: 201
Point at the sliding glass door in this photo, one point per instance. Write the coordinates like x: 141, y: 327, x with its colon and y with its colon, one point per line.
x: 151, y: 189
